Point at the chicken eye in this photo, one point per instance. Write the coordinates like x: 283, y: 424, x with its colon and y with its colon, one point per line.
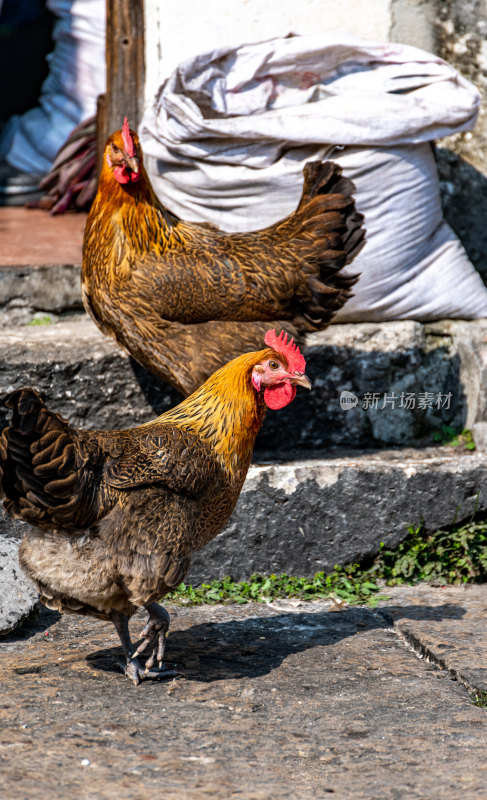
x: 115, y: 148
x: 273, y: 365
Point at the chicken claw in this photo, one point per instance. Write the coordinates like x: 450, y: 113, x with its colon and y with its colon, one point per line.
x: 136, y: 672
x: 154, y: 635
x: 157, y: 626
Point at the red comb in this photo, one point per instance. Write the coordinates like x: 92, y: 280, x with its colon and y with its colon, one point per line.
x: 280, y: 344
x: 128, y: 142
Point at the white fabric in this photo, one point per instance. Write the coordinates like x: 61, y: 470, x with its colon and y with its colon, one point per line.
x: 76, y: 78
x: 229, y: 132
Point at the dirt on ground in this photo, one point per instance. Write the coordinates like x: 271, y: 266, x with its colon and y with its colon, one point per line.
x: 286, y: 700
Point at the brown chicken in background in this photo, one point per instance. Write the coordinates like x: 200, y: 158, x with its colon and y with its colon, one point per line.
x: 184, y: 298
x: 116, y: 515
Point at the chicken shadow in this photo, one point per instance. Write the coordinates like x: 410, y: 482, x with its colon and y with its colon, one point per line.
x: 250, y: 648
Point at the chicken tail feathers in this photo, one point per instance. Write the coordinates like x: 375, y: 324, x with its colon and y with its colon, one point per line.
x: 329, y: 232
x: 41, y: 466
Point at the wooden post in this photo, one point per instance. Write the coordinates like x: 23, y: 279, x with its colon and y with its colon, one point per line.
x: 101, y: 128
x: 125, y: 64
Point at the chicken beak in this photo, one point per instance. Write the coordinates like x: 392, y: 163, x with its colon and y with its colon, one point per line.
x: 299, y: 379
x: 133, y: 163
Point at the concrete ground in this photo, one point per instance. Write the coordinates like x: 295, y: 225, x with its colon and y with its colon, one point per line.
x: 280, y: 701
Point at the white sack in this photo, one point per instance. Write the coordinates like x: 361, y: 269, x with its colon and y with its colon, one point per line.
x: 68, y: 95
x: 229, y: 132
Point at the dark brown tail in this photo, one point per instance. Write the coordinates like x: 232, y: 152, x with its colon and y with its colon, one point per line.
x: 326, y: 178
x: 331, y: 235
x: 40, y: 465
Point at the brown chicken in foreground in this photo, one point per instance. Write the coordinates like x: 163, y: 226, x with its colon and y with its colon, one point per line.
x: 184, y: 298
x: 116, y: 515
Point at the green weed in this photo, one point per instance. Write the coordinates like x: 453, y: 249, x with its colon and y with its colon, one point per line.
x: 45, y: 320
x: 457, y: 555
x: 262, y: 588
x: 480, y: 699
x: 454, y: 437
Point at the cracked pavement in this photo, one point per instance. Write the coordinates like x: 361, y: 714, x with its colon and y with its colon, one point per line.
x: 286, y: 700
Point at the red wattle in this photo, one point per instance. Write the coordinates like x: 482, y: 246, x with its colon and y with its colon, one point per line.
x: 125, y: 175
x: 280, y: 395
x: 121, y: 174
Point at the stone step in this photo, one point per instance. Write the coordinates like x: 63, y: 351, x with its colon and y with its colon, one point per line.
x: 18, y: 597
x: 439, y: 370
x: 27, y: 293
x: 305, y: 516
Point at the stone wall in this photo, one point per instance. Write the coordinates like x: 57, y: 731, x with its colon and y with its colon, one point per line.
x: 406, y: 381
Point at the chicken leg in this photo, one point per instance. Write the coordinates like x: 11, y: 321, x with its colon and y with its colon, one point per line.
x: 154, y: 634
x: 157, y: 626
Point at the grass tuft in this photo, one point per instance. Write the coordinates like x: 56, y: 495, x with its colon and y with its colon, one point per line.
x: 263, y: 588
x: 454, y: 437
x: 458, y: 555
x: 44, y: 320
x: 480, y: 699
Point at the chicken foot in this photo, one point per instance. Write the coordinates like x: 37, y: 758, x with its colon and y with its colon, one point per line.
x: 154, y: 634
x: 132, y: 667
